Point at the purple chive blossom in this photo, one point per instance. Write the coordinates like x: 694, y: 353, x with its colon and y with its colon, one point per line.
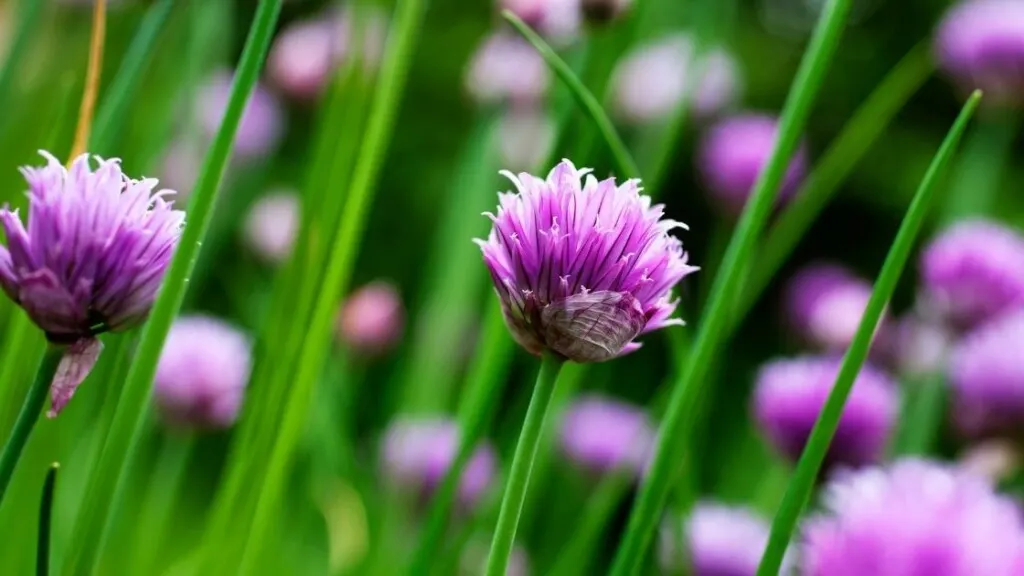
x: 920, y: 345
x: 973, y: 271
x: 262, y: 123
x: 913, y: 518
x: 721, y: 540
x: 271, y: 225
x: 980, y: 43
x: 372, y: 319
x: 732, y: 154
x: 653, y: 80
x: 526, y: 136
x: 986, y: 372
x: 202, y: 373
x: 559, y: 20
x: 790, y: 393
x: 179, y: 167
x: 418, y: 453
x: 825, y: 304
x: 607, y: 435
x: 582, y: 267
x: 505, y: 68
x: 91, y: 258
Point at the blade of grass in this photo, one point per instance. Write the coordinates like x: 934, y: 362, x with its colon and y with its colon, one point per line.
x: 408, y: 18
x: 129, y: 418
x: 981, y: 167
x: 921, y: 415
x: 685, y: 398
x: 45, y: 521
x: 807, y: 469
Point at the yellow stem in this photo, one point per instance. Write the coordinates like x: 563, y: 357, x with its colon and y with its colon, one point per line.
x: 92, y: 79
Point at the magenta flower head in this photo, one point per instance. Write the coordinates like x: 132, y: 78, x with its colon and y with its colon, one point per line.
x: 558, y: 20
x: 732, y: 154
x: 973, y: 271
x: 91, y: 258
x: 418, y: 453
x: 582, y: 267
x: 650, y: 82
x: 913, y: 518
x: 721, y: 540
x: 986, y: 373
x: 790, y: 393
x: 505, y: 68
x: 606, y: 435
x: 262, y: 123
x: 271, y: 225
x: 825, y: 304
x: 202, y: 373
x: 980, y: 44
x: 372, y: 320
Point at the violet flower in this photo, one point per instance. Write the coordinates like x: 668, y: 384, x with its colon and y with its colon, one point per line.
x: 980, y: 43
x: 558, y: 20
x: 607, y: 435
x: 202, y: 373
x: 913, y: 518
x: 582, y: 267
x: 825, y: 304
x: 272, y: 224
x: 790, y: 394
x: 506, y: 68
x: 91, y: 258
x: 262, y: 123
x: 372, y: 319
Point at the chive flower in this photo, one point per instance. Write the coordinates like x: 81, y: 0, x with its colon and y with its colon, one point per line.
x: 606, y: 435
x: 825, y: 303
x: 911, y: 518
x: 582, y: 267
x: 272, y: 224
x: 980, y: 44
x: 790, y: 393
x: 261, y: 126
x: 507, y: 69
x: 202, y: 373
x: 372, y: 319
x: 90, y: 259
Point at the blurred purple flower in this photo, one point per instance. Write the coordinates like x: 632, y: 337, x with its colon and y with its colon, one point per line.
x: 913, y: 518
x: 179, y: 168
x: 202, y: 373
x: 732, y: 154
x: 980, y: 43
x: 505, y: 68
x: 262, y: 123
x: 90, y: 260
x: 920, y: 345
x: 825, y: 304
x: 526, y: 137
x: 986, y: 372
x: 607, y: 435
x: 721, y: 540
x: 973, y: 271
x: 790, y: 394
x: 418, y: 453
x: 272, y: 224
x: 582, y: 268
x: 558, y: 20
x: 372, y: 319
x: 654, y: 79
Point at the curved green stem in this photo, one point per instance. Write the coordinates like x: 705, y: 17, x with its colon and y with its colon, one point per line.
x: 522, y: 466
x: 27, y: 417
x: 807, y: 469
x: 45, y: 521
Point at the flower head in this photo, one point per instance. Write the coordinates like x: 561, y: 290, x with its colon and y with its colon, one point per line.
x: 506, y: 68
x: 825, y: 304
x: 973, y: 271
x: 721, y: 540
x: 372, y: 319
x: 582, y: 267
x: 202, y: 373
x: 651, y: 81
x: 558, y: 20
x: 418, y: 453
x: 262, y: 123
x: 790, y: 394
x: 986, y: 372
x: 607, y: 435
x: 271, y: 225
x: 913, y: 518
x: 732, y: 155
x: 980, y: 43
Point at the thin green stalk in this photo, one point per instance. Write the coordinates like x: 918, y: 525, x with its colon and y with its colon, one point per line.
x: 809, y: 465
x: 623, y: 161
x: 109, y: 475
x: 577, y: 552
x: 686, y: 396
x: 45, y: 521
x: 162, y: 495
x: 28, y: 415
x: 26, y: 29
x: 522, y: 465
x: 975, y: 186
x: 863, y: 129
x: 921, y: 415
x: 25, y: 345
x: 408, y: 18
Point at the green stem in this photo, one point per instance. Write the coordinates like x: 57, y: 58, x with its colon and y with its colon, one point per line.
x: 807, y: 469
x: 686, y: 395
x: 27, y: 417
x: 45, y: 521
x: 921, y: 414
x: 575, y: 555
x: 522, y: 465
